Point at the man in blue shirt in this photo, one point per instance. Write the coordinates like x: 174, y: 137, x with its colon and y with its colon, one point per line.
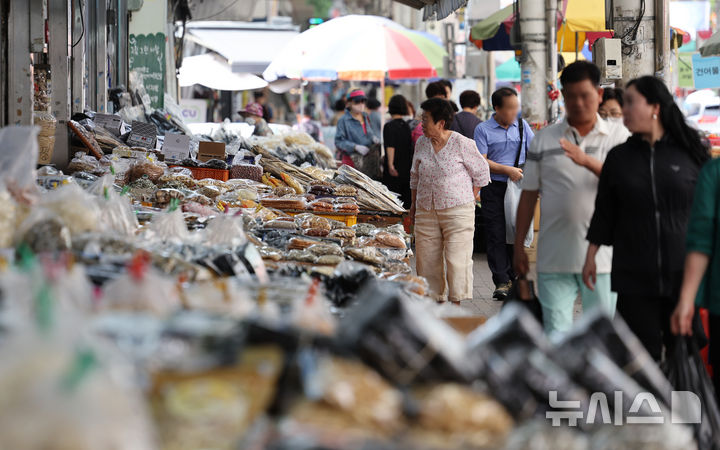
x: 498, y: 139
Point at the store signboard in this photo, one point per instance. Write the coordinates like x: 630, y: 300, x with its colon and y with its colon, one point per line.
x: 685, y: 70
x: 706, y: 71
x: 146, y: 55
x: 194, y: 110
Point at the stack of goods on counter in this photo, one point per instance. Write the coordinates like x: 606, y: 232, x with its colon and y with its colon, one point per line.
x: 143, y: 308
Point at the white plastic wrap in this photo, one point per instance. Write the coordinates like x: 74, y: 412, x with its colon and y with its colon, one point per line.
x: 8, y: 216
x: 18, y: 158
x: 225, y: 231
x: 60, y: 393
x: 143, y: 289
x: 75, y: 207
x: 169, y: 226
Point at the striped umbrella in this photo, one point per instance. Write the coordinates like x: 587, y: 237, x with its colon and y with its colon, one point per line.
x: 367, y: 48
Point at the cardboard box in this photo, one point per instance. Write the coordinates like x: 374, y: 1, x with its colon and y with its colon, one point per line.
x: 211, y: 150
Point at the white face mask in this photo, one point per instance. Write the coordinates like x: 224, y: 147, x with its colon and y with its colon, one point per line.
x: 615, y: 120
x: 357, y: 108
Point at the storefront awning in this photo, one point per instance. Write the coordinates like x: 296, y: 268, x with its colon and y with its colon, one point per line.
x: 249, y: 48
x: 213, y: 71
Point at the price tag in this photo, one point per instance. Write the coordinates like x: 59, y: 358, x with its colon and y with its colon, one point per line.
x: 176, y: 147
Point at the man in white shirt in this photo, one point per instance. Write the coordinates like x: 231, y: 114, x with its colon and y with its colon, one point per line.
x: 563, y: 165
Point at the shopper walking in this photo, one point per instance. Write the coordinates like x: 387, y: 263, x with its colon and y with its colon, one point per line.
x: 642, y: 210
x: 503, y: 140
x: 701, y: 282
x: 612, y: 104
x: 355, y: 133
x: 467, y: 120
x: 398, y: 150
x: 447, y: 173
x: 564, y: 161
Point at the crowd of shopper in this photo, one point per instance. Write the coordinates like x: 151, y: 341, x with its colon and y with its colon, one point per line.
x: 629, y: 204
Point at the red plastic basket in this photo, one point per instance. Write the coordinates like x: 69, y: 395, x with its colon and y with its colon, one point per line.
x: 200, y: 172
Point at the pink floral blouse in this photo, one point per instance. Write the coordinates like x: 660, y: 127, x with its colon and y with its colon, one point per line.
x: 445, y: 179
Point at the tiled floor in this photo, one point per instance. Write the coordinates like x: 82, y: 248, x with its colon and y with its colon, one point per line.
x: 482, y: 303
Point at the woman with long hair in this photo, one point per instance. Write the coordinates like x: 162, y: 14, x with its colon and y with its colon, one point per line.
x: 642, y: 209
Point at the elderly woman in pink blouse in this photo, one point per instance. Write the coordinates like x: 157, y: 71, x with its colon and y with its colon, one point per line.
x: 446, y: 176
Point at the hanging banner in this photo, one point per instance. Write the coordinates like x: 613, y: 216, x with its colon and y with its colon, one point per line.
x: 685, y: 70
x: 706, y: 71
x: 146, y: 54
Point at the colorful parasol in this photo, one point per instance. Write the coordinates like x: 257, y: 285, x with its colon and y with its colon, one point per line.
x: 357, y: 47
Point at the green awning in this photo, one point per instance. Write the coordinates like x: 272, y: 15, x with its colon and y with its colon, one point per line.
x: 488, y: 28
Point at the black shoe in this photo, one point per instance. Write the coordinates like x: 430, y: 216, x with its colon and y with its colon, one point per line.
x: 502, y: 291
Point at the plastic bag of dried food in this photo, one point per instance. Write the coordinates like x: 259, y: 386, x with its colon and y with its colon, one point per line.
x: 116, y: 213
x: 68, y: 393
x: 247, y: 171
x: 460, y: 415
x: 75, y: 207
x: 211, y: 192
x: 18, y: 158
x: 83, y: 162
x: 364, y: 229
x: 8, y: 216
x: 43, y: 231
x: 390, y: 240
x: 417, y: 285
x: 153, y: 171
x: 225, y: 231
x: 164, y: 196
x: 24, y: 288
x: 312, y: 312
x: 141, y: 288
x: 326, y: 249
x: 311, y: 221
x: 169, y: 226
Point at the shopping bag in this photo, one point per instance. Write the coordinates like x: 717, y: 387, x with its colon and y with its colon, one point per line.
x: 686, y: 372
x: 512, y: 198
x: 523, y: 293
x: 369, y: 164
